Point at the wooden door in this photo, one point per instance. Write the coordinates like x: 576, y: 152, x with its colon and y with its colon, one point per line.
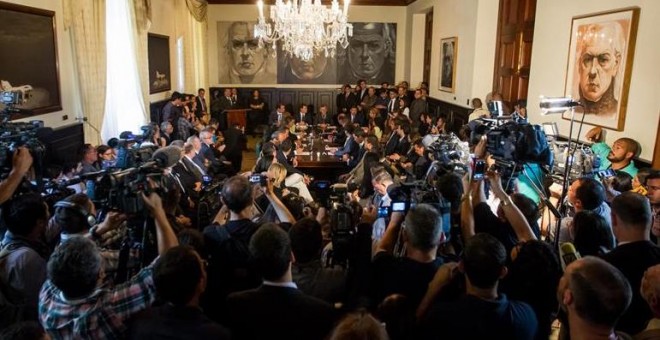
x: 515, y: 34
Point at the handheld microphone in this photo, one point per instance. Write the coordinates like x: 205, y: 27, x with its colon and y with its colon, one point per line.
x: 568, y: 254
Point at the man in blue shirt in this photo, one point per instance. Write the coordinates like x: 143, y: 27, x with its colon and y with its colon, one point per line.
x: 619, y: 156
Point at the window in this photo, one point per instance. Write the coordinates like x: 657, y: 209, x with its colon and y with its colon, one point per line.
x: 124, y: 106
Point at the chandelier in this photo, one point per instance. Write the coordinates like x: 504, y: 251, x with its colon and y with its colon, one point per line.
x: 304, y: 28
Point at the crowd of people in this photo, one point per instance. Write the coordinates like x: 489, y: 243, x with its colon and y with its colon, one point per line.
x: 286, y: 258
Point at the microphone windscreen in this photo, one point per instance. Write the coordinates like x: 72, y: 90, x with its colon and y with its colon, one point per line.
x: 167, y: 156
x: 568, y: 254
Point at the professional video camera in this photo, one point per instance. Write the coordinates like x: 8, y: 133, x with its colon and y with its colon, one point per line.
x: 512, y: 145
x: 343, y: 221
x: 14, y: 135
x: 133, y: 150
x: 449, y: 154
x: 209, y: 200
x: 12, y: 96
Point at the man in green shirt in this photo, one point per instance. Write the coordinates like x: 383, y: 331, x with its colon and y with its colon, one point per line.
x: 619, y: 157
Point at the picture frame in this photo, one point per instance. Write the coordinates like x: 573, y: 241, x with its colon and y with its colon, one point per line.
x: 158, y: 47
x: 29, y: 59
x: 599, y: 66
x: 448, y: 58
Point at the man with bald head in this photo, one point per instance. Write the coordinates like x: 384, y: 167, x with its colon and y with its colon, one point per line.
x: 594, y: 295
x: 370, y: 54
x: 599, y: 56
x: 619, y: 157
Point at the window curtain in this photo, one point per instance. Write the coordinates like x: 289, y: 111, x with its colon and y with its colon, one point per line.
x: 142, y: 18
x: 85, y: 21
x: 192, y: 26
x: 125, y: 108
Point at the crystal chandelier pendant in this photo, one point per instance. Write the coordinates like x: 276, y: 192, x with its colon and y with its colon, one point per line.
x: 305, y: 28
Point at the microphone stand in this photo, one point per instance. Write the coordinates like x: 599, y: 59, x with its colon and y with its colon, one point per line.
x: 568, y: 165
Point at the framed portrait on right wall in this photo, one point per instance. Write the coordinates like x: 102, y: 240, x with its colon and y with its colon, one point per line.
x: 448, y: 56
x: 600, y: 60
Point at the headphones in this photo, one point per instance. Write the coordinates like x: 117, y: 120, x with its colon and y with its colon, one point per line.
x: 89, y: 218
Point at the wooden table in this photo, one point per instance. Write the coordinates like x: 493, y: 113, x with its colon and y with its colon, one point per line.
x: 236, y: 117
x: 321, y: 165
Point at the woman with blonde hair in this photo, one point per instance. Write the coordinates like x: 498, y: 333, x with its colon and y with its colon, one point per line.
x: 277, y: 174
x: 359, y: 325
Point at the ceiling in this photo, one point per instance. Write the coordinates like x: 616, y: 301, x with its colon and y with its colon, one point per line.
x: 353, y: 2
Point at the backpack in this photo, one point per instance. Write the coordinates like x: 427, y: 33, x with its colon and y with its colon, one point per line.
x: 11, y: 312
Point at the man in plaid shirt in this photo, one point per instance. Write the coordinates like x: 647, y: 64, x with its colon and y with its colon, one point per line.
x: 72, y: 306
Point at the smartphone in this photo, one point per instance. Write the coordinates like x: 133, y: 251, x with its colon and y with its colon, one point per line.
x: 255, y: 179
x: 607, y: 173
x: 206, y: 180
x: 479, y: 169
x: 398, y: 206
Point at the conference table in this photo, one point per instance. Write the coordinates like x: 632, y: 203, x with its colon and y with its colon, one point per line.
x: 315, y: 159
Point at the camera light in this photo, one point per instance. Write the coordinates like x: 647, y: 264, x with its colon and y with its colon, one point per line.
x: 551, y: 105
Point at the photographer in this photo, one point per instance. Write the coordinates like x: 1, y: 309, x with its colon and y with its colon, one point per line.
x: 227, y: 240
x: 73, y: 305
x: 21, y: 163
x: 411, y: 274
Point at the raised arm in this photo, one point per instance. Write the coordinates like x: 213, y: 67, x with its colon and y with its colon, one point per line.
x: 280, y: 209
x: 513, y: 215
x: 388, y: 241
x: 21, y: 163
x: 164, y: 233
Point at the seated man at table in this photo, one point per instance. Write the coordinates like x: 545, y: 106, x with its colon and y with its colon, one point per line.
x: 355, y: 155
x: 323, y: 117
x: 349, y: 144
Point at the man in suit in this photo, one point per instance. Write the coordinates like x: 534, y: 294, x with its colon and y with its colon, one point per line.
x: 393, y: 104
x: 201, y: 110
x: 303, y: 115
x: 235, y: 141
x: 349, y: 143
x: 356, y: 117
x: 346, y: 99
x: 417, y: 107
x: 188, y: 176
x: 277, y: 309
x: 224, y: 103
x: 631, y: 223
x: 323, y: 117
x: 277, y: 115
x: 358, y: 150
x: 362, y: 87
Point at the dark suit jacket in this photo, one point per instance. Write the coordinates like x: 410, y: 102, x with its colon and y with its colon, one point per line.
x: 403, y: 146
x: 359, y: 119
x: 272, y: 118
x: 270, y: 312
x: 201, y: 109
x: 344, y: 103
x: 320, y: 120
x: 632, y: 259
x: 281, y: 158
x: 356, y: 155
x: 391, y: 144
x: 187, y: 178
x: 224, y: 104
x: 308, y: 118
x: 235, y: 140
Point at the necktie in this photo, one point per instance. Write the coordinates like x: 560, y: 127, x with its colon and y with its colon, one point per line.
x: 392, y: 105
x: 279, y: 117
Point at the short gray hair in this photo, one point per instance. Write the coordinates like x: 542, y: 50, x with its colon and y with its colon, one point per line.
x: 423, y: 227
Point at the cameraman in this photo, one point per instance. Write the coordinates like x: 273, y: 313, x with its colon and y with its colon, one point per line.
x: 21, y: 163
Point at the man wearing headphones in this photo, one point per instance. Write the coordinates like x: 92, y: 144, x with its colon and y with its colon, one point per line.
x: 76, y: 216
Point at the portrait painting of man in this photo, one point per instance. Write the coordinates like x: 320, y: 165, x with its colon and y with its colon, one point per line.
x: 319, y: 70
x: 370, y: 55
x: 448, y: 64
x: 241, y: 59
x: 599, y: 65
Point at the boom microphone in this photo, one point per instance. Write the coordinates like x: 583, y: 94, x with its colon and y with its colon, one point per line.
x: 568, y: 254
x: 167, y: 157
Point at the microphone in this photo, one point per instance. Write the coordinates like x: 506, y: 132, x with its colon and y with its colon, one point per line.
x: 166, y: 157
x: 568, y: 254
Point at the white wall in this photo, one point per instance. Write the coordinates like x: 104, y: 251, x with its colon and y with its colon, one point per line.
x: 548, y: 71
x: 474, y: 22
x: 163, y: 23
x: 68, y: 93
x: 355, y: 13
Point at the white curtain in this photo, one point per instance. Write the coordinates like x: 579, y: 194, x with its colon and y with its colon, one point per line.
x: 125, y: 105
x: 192, y: 27
x: 85, y: 21
x: 141, y: 15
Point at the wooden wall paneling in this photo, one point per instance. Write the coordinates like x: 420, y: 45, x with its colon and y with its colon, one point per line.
x: 307, y: 97
x: 327, y: 98
x: 289, y: 98
x: 63, y: 145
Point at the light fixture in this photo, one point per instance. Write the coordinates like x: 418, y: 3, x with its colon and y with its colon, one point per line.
x: 305, y: 28
x: 550, y: 105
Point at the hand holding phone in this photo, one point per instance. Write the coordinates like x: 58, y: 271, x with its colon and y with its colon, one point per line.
x: 479, y: 169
